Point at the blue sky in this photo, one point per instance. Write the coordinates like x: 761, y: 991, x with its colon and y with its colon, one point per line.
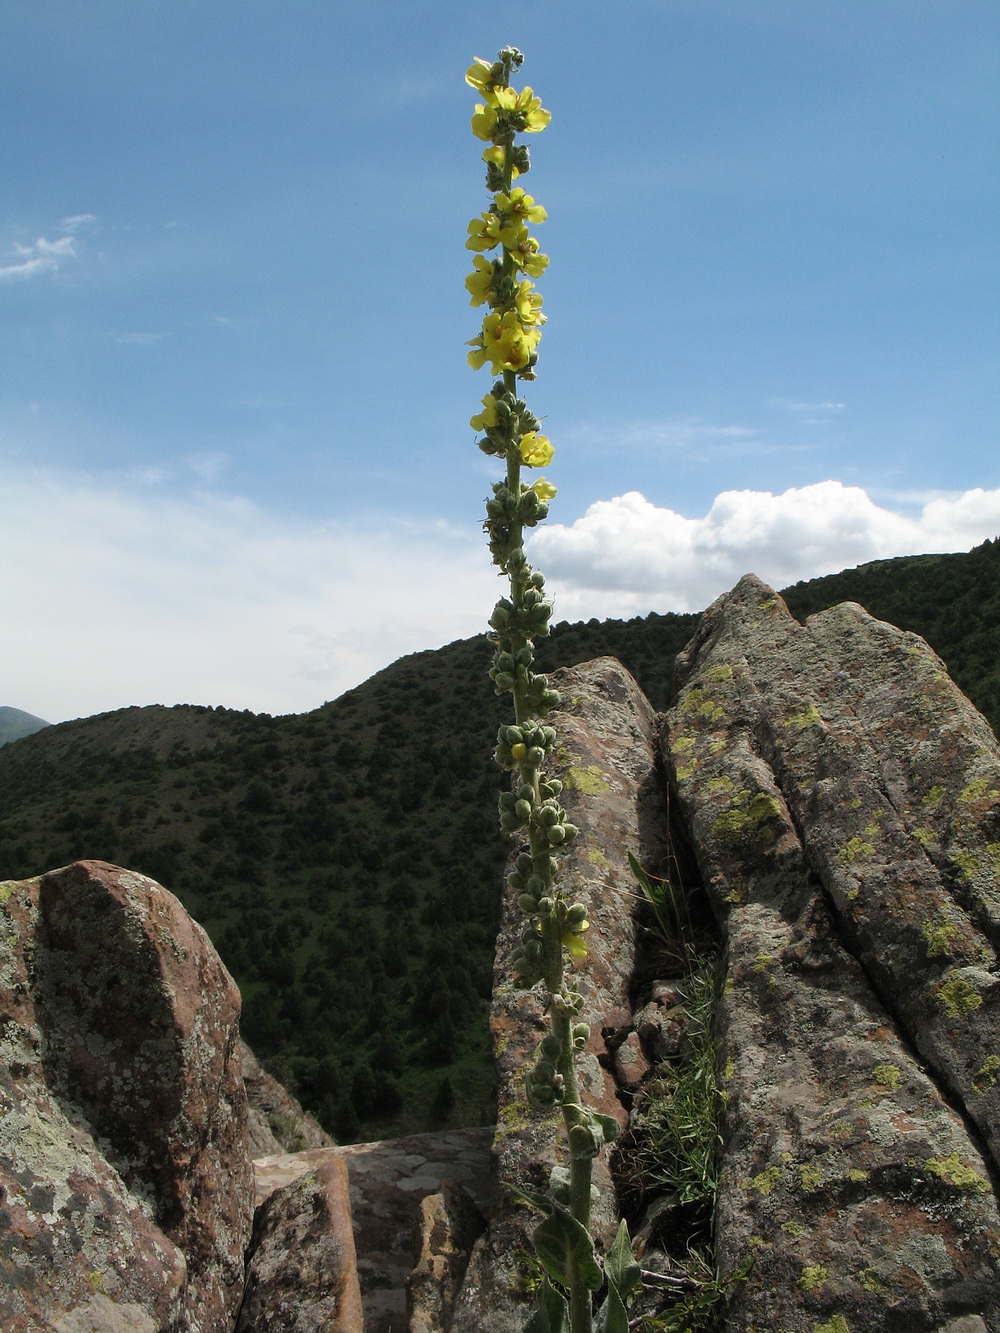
x: 234, y: 460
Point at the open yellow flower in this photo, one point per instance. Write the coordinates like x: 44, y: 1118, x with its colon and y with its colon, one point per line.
x: 526, y: 256
x: 489, y: 229
x: 504, y: 343
x: 527, y: 303
x: 484, y: 121
x: 479, y: 284
x: 544, y: 490
x: 536, y: 451
x: 478, y: 76
x: 520, y: 205
x: 525, y: 104
x: 487, y: 418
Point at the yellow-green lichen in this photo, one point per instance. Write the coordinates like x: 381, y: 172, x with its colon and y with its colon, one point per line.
x: 597, y: 858
x: 735, y: 890
x: 766, y: 1181
x: 721, y: 672
x: 715, y: 746
x: 985, y: 1076
x: 940, y: 933
x: 957, y: 997
x: 95, y: 1281
x: 835, y: 1324
x: 966, y: 863
x: 874, y: 826
x: 589, y: 780
x: 715, y: 786
x: 854, y: 803
x: 748, y: 820
x: 729, y: 1070
x: 6, y: 889
x: 855, y: 850
x: 810, y: 718
x: 868, y: 1278
x: 792, y: 1228
x: 953, y: 1171
x: 812, y: 1277
x: 924, y: 835
x: 768, y: 603
x: 857, y: 1176
x: 933, y: 798
x: 811, y: 1177
x: 978, y: 790
x: 762, y: 961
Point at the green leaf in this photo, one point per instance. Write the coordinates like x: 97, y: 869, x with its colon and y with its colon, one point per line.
x: 561, y: 1241
x: 551, y: 1313
x: 612, y: 1317
x: 623, y: 1272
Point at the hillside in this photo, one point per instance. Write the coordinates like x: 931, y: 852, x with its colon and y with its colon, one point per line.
x: 346, y: 861
x: 15, y: 723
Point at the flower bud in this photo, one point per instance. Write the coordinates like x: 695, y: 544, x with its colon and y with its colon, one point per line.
x: 581, y: 1030
x: 528, y: 903
x: 546, y: 906
x: 551, y: 1046
x: 522, y: 809
x: 535, y: 885
x: 556, y: 835
x: 576, y: 914
x: 535, y: 756
x: 515, y: 881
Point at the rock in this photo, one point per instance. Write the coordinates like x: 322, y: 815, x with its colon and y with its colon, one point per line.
x: 450, y: 1225
x: 606, y: 758
x: 388, y: 1181
x: 630, y: 1063
x: 301, y: 1270
x: 276, y: 1122
x: 123, y: 1159
x: 843, y: 799
x: 99, y: 1315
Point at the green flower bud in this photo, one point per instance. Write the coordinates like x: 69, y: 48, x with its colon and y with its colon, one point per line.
x: 551, y: 1046
x: 576, y: 914
x: 543, y: 1072
x: 524, y: 863
x: 533, y: 951
x: 581, y: 1030
x: 535, y: 756
x: 546, y: 906
x: 556, y: 835
x: 528, y: 903
x: 503, y: 681
x: 570, y: 831
x: 512, y: 735
x: 526, y: 792
x: 515, y: 881
x: 535, y: 885
x: 523, y: 809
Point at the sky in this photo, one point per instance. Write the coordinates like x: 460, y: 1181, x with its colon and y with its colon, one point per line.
x: 235, y: 460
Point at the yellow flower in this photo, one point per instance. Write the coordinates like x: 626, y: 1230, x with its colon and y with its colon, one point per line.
x: 527, y: 303
x: 518, y: 751
x: 478, y: 76
x: 544, y: 490
x: 484, y: 232
x: 487, y: 418
x: 575, y: 945
x: 524, y: 104
x: 526, y: 256
x: 520, y: 205
x: 504, y: 343
x: 480, y: 284
x: 484, y: 121
x: 536, y: 451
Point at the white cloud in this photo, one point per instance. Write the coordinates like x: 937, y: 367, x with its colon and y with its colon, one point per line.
x: 626, y: 556
x: 43, y: 256
x: 110, y: 596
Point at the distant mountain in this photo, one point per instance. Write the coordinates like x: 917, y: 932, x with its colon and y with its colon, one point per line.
x: 346, y: 862
x: 14, y: 724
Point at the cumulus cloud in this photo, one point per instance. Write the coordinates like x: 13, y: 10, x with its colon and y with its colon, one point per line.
x: 626, y: 556
x: 117, y: 596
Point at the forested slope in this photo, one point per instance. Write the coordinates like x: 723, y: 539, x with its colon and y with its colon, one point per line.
x: 346, y: 862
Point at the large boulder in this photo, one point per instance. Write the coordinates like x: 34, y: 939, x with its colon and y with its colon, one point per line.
x: 843, y: 798
x: 606, y: 759
x: 124, y: 1169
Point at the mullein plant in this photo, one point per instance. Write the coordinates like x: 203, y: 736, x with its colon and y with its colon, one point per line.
x: 507, y: 258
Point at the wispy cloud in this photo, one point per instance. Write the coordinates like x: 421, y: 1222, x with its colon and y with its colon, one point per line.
x: 43, y: 256
x: 626, y: 556
x: 687, y: 435
x: 77, y: 222
x: 140, y: 597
